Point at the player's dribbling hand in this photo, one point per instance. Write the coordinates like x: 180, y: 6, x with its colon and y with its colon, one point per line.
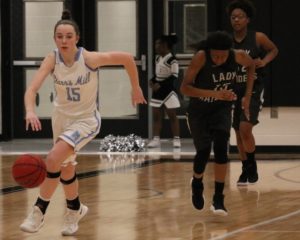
x: 226, y: 95
x: 137, y: 96
x: 33, y: 121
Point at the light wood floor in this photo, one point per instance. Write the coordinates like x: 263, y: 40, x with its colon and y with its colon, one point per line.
x: 139, y: 197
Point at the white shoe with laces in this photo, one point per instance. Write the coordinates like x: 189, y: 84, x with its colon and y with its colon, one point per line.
x: 72, y: 217
x: 154, y: 143
x: 34, y: 221
x: 176, y: 142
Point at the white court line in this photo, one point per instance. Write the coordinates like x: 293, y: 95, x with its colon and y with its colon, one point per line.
x: 256, y: 225
x: 8, y: 153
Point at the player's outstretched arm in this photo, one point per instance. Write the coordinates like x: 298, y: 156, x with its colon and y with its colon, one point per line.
x: 97, y: 59
x: 31, y: 91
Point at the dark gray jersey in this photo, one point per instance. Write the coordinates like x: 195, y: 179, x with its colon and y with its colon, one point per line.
x: 213, y: 77
x: 249, y: 45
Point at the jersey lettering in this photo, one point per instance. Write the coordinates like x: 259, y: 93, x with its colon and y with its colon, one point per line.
x: 228, y: 76
x: 73, y: 94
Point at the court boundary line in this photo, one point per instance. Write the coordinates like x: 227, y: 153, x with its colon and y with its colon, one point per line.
x: 10, y: 153
x: 277, y: 174
x: 181, y: 154
x: 229, y: 234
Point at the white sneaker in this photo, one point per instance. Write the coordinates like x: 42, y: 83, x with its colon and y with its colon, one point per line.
x: 176, y: 143
x: 154, y: 143
x: 72, y: 218
x: 34, y: 221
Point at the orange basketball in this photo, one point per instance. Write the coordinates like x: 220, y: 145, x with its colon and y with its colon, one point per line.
x: 29, y: 171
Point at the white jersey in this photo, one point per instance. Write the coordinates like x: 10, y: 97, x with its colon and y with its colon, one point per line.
x: 76, y: 87
x: 166, y: 71
x: 165, y: 67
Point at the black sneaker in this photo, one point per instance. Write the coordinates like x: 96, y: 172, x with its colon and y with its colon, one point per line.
x: 217, y: 206
x: 197, y: 196
x: 252, y: 173
x: 243, y: 179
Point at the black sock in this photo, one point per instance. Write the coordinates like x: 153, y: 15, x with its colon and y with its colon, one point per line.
x: 73, y: 204
x: 245, y: 163
x: 219, y: 187
x: 197, y: 182
x: 251, y: 156
x: 42, y: 204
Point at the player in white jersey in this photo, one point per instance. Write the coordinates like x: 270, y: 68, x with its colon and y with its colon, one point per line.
x: 76, y: 90
x: 164, y: 97
x: 75, y: 120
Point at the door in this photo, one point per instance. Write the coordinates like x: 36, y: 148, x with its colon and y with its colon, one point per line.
x: 122, y: 25
x: 105, y: 26
x: 188, y: 19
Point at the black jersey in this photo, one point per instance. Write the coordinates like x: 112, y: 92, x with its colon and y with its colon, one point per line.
x: 249, y: 45
x: 213, y: 77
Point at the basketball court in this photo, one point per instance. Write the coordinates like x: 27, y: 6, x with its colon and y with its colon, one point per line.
x: 147, y: 196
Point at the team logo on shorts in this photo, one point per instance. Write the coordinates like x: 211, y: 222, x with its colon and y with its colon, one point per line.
x: 75, y: 136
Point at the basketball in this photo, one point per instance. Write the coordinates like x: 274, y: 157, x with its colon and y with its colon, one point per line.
x: 29, y: 171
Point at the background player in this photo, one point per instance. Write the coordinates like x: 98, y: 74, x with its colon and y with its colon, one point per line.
x: 263, y: 51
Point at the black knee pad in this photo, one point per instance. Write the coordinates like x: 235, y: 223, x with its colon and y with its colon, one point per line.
x: 200, y: 160
x: 67, y: 182
x: 53, y: 174
x: 220, y: 146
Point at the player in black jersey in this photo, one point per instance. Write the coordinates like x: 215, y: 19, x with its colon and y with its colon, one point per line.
x: 263, y: 51
x: 209, y: 82
x: 164, y: 97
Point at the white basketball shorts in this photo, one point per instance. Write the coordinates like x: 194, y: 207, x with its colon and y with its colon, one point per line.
x: 75, y: 131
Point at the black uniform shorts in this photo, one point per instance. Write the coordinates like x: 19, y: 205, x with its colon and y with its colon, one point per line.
x: 203, y: 124
x: 255, y: 107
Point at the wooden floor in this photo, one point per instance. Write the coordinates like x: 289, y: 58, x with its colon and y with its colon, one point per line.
x: 144, y: 197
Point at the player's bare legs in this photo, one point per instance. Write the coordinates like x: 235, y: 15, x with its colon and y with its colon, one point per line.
x: 246, y: 146
x: 171, y: 112
x: 75, y: 209
x: 157, y: 120
x: 157, y: 124
x: 67, y: 173
x: 60, y: 152
x: 35, y: 220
